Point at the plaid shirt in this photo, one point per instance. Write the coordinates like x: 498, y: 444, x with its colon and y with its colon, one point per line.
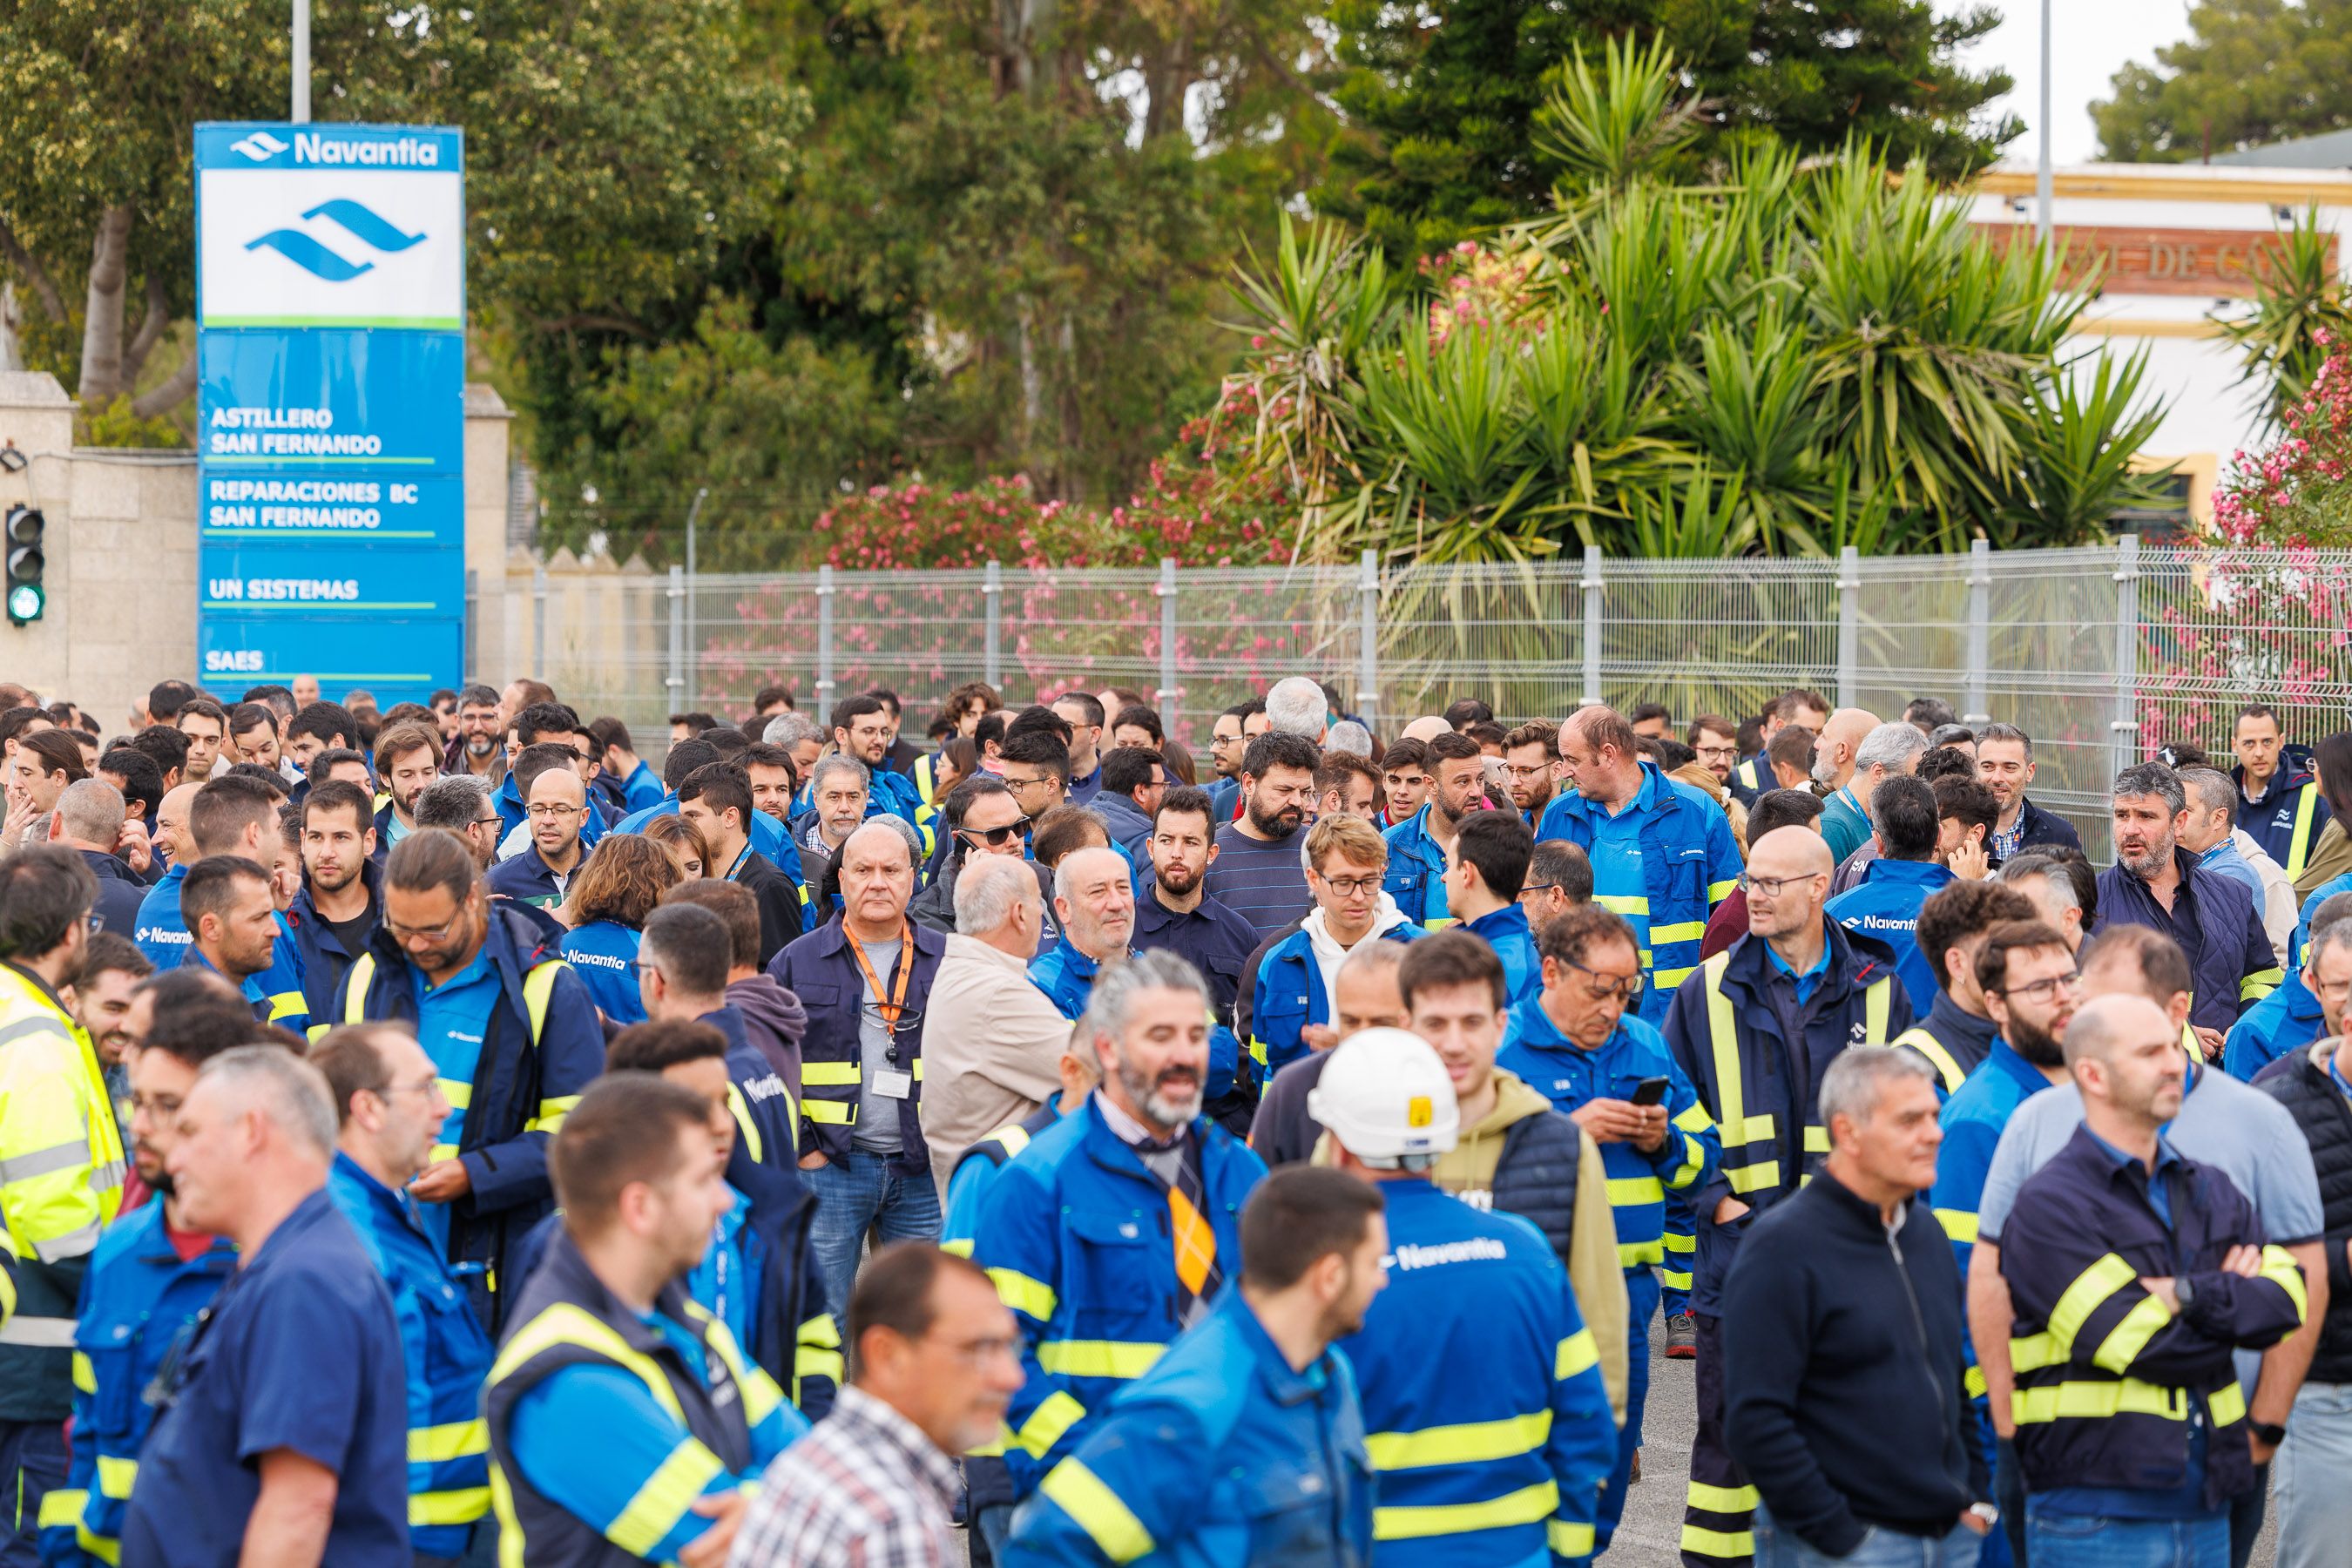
x: 864, y: 1489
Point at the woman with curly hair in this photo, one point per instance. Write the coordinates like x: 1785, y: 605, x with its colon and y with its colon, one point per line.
x: 622, y: 883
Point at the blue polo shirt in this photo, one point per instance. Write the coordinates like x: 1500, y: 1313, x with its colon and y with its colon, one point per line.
x: 1807, y: 982
x: 726, y: 1283
x: 302, y: 1353
x: 451, y: 1020
x: 1506, y: 930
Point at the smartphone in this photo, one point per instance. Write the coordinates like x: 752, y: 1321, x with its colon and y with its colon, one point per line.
x: 1652, y: 1091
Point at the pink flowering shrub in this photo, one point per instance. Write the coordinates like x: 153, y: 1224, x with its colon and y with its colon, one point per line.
x: 1478, y: 286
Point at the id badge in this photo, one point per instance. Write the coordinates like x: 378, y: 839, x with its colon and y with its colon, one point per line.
x: 893, y: 1084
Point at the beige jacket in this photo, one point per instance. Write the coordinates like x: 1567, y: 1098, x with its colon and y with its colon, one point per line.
x: 992, y: 1048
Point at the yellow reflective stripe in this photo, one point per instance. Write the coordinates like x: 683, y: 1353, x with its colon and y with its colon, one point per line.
x: 1631, y: 1190
x: 2129, y: 1337
x: 1721, y: 1499
x: 808, y: 1362
x: 1097, y: 1358
x: 664, y: 1499
x: 105, y: 1548
x: 1567, y: 1539
x: 537, y: 991
x: 564, y: 1323
x: 552, y: 1113
x: 1023, y: 1294
x: 1524, y: 1506
x: 2280, y: 1267
x: 1694, y: 1161
x: 2298, y: 847
x: 1973, y: 1380
x: 1739, y: 1129
x: 1576, y: 1353
x: 1927, y: 1046
x: 1467, y: 1443
x: 60, y: 1507
x: 2033, y: 1352
x: 356, y: 983
x: 2097, y: 1401
x: 85, y: 1377
x: 1640, y: 1254
x: 1752, y: 1178
x: 830, y: 1075
x: 458, y: 1094
x: 2260, y: 983
x: 746, y: 1128
x: 1668, y: 979
x: 833, y: 1112
x: 1701, y: 1542
x: 285, y: 1003
x: 1096, y: 1509
x: 459, y: 1505
x: 1694, y: 1118
x: 1681, y: 930
x: 2081, y: 1299
x: 116, y: 1477
x: 1877, y: 1005
x: 1682, y: 1241
x: 1718, y: 891
x: 1015, y: 1139
x: 1817, y: 1140
x: 959, y: 1247
x: 2228, y: 1404
x: 1673, y: 1281
x: 455, y: 1440
x: 1960, y: 1225
x: 1257, y: 1051
x: 1624, y: 903
x: 1049, y: 1422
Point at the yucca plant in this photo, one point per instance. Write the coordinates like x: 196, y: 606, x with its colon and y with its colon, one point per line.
x: 2300, y: 306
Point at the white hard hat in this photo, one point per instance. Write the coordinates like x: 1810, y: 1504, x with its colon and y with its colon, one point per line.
x: 1386, y: 1098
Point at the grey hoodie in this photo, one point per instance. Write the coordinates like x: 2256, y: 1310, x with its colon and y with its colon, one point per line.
x: 773, y: 1021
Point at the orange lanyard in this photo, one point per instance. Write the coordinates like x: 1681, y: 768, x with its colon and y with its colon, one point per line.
x: 898, y: 1001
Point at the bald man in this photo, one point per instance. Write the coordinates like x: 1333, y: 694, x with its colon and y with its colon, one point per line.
x: 1428, y: 727
x: 1881, y: 751
x: 1755, y: 1030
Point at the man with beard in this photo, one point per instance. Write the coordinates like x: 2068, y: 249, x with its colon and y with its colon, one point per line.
x: 1122, y: 1214
x: 862, y: 730
x: 1187, y: 1462
x: 2025, y: 974
x: 408, y: 762
x: 1529, y: 765
x: 102, y: 1001
x: 2307, y: 1008
x: 1175, y: 913
x: 61, y: 1165
x: 149, y: 1277
x: 333, y: 915
x: 1256, y: 871
x: 481, y: 730
x: 1417, y: 846
x: 233, y: 932
x: 2156, y: 883
x: 556, y: 807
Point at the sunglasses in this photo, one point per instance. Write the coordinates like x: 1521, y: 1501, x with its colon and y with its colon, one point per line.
x: 994, y: 837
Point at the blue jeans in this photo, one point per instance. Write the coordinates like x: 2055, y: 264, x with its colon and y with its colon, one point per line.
x: 1881, y: 1547
x: 1641, y: 1306
x: 2314, y: 1501
x: 861, y: 1195
x: 32, y: 1465
x: 2089, y: 1541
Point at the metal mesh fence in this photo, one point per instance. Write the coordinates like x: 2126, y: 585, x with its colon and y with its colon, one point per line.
x: 2100, y: 654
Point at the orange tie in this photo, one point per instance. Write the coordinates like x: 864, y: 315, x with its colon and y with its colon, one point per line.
x: 1196, y: 1242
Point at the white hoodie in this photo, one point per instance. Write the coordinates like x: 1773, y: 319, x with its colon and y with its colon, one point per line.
x: 1330, y: 954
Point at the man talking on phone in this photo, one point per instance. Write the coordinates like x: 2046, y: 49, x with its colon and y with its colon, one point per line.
x: 1580, y: 1043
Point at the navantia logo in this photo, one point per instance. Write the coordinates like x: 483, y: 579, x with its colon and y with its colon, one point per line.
x: 362, y: 224
x: 261, y: 146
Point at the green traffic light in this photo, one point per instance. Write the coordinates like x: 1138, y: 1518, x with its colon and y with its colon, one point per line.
x: 25, y: 603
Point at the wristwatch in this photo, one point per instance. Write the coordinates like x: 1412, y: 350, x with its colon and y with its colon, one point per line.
x: 2267, y: 1432
x: 2185, y: 1292
x: 1986, y: 1513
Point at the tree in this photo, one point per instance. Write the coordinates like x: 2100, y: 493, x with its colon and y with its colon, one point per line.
x: 614, y: 149
x: 2250, y: 72
x: 1443, y: 138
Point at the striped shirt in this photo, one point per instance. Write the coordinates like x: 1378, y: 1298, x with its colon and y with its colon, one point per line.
x: 1261, y: 882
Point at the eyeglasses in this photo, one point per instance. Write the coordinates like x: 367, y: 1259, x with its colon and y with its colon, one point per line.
x: 492, y: 820
x: 1716, y: 751
x: 429, y: 933
x: 909, y: 1020
x: 1351, y: 887
x: 93, y: 924
x: 550, y: 812
x: 980, y: 1353
x: 1773, y: 887
x: 1527, y: 889
x: 2041, y: 991
x: 1606, y: 987
x: 422, y: 1085
x: 994, y: 837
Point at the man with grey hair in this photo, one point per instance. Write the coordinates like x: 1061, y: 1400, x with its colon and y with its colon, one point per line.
x: 1297, y: 706
x: 461, y: 802
x: 1124, y: 1212
x: 2156, y: 882
x: 798, y: 735
x: 1350, y: 737
x: 1883, y: 751
x: 2048, y: 881
x: 2210, y: 831
x: 836, y: 796
x: 2308, y: 1007
x: 1094, y: 899
x: 89, y: 821
x: 1003, y: 1059
x: 287, y: 1441
x: 1805, y: 1332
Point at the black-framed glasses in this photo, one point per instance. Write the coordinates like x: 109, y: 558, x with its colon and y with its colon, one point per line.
x: 1351, y: 887
x: 1525, y: 889
x: 995, y: 837
x: 429, y: 933
x: 1605, y: 987
x: 550, y: 810
x: 2044, y: 990
x: 1773, y: 887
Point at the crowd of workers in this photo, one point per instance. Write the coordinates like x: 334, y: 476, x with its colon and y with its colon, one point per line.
x: 435, y: 1136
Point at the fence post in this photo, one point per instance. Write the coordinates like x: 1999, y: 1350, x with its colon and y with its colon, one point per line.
x: 1980, y: 634
x: 1368, y: 634
x: 1849, y: 654
x: 1591, y: 586
x: 825, y: 639
x: 538, y: 620
x: 991, y: 598
x: 675, y: 680
x: 2123, y: 728
x: 1167, y: 591
x: 473, y: 646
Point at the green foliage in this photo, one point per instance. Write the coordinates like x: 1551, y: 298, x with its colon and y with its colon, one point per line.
x: 1451, y: 134
x: 2250, y: 72
x: 1788, y: 359
x: 2300, y: 307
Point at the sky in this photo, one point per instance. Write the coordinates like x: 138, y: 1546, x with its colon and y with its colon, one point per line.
x: 2090, y: 40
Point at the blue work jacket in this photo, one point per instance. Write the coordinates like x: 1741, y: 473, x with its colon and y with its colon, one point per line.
x: 1885, y: 904
x: 1078, y: 1236
x: 2281, y: 1022
x: 1506, y: 930
x: 1415, y: 877
x: 163, y: 937
x: 1222, y: 1457
x: 821, y: 970
x: 2230, y: 963
x: 2287, y: 820
x: 603, y: 953
x: 1287, y: 995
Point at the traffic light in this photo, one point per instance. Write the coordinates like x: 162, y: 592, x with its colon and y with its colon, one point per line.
x: 26, y: 599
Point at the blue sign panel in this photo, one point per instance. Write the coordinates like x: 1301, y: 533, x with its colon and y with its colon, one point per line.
x: 331, y: 342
